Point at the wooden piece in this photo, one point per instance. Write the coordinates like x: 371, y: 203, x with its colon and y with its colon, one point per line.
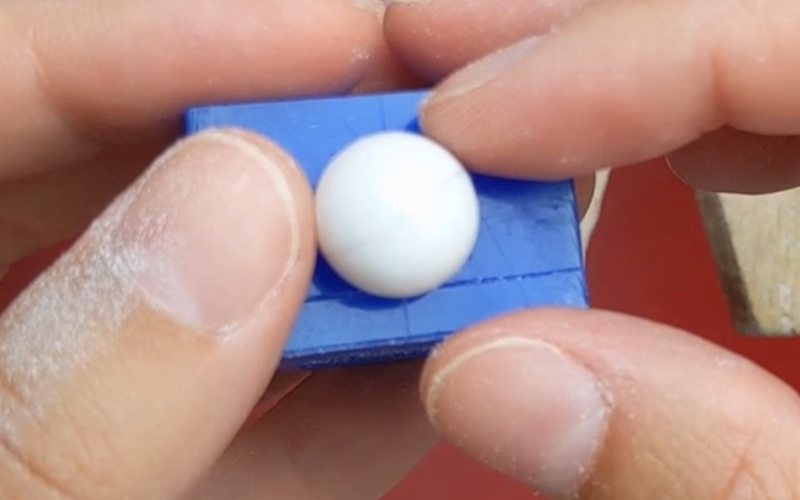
x: 756, y: 243
x: 593, y: 211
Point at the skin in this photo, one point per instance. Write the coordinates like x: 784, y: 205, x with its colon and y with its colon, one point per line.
x: 119, y: 360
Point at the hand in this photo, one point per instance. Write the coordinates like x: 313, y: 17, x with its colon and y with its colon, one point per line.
x: 128, y: 369
x: 595, y: 404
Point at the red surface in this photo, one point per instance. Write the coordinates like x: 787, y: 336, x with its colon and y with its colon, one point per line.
x: 649, y: 257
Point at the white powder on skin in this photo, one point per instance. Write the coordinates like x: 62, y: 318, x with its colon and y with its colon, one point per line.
x: 56, y: 323
x: 63, y: 319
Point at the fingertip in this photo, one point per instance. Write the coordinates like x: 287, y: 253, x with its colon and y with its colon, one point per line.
x: 549, y: 107
x: 297, y: 179
x: 413, y: 32
x: 251, y: 219
x: 522, y: 405
x: 592, y: 404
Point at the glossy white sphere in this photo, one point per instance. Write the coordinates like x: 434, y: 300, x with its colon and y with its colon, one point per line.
x: 397, y: 214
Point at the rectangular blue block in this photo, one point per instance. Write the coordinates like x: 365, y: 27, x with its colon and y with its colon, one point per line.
x: 528, y: 251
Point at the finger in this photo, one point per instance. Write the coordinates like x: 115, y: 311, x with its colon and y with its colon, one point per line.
x: 599, y: 405
x: 46, y: 208
x: 91, y: 71
x: 618, y: 84
x: 732, y: 161
x: 434, y: 38
x: 348, y: 434
x: 410, y: 43
x: 118, y: 363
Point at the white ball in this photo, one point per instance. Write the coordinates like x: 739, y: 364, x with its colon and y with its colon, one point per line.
x: 397, y: 214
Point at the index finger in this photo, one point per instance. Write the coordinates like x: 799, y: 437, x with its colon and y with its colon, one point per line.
x: 79, y: 74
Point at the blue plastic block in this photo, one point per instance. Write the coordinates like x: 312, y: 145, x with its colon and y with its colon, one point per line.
x: 528, y: 252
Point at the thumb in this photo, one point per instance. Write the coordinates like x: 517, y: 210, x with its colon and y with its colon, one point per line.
x: 602, y: 406
x: 117, y: 365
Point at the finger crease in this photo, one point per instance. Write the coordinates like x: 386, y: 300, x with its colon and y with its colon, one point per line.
x: 37, y: 473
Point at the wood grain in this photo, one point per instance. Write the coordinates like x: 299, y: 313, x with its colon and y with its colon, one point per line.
x: 755, y: 240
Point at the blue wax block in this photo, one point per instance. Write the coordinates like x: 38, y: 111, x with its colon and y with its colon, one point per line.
x: 528, y: 251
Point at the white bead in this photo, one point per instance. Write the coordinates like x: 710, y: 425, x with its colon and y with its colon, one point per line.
x: 397, y: 214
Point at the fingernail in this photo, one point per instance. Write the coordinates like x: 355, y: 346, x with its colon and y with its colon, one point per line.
x: 482, y: 71
x: 212, y: 228
x: 525, y: 408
